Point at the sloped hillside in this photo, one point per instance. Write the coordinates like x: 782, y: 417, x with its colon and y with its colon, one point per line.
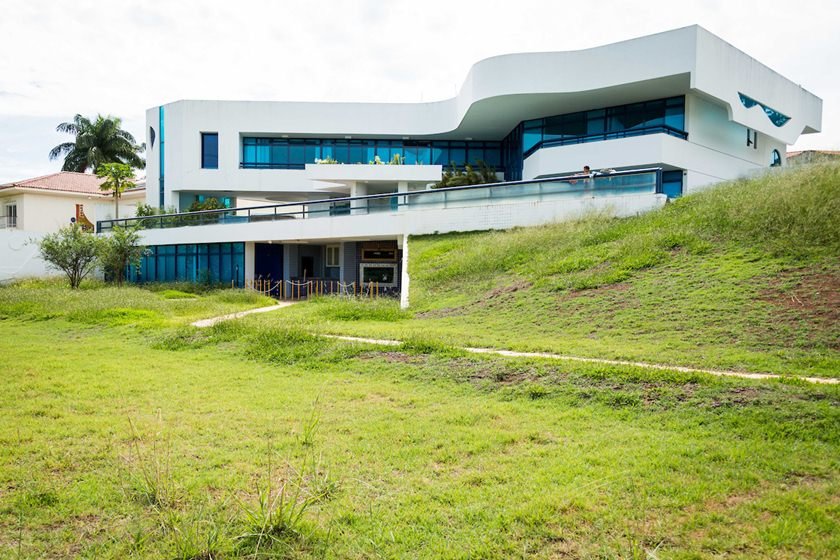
x: 742, y: 276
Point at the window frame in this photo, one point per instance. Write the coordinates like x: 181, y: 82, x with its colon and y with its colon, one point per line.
x: 205, y: 155
x: 332, y: 251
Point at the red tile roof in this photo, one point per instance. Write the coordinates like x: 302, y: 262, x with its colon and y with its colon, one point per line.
x: 64, y: 181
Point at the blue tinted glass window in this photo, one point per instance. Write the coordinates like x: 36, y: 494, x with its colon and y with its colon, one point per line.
x: 311, y: 151
x: 357, y: 153
x: 209, y: 150
x: 672, y: 183
x: 440, y: 155
x: 424, y: 154
x: 326, y: 150
x: 297, y: 152
x: 368, y: 151
x: 340, y: 151
x: 383, y: 150
x: 530, y: 138
x: 263, y: 150
x: 493, y: 156
x: 279, y: 153
x: 458, y: 153
x: 777, y: 118
x: 410, y: 153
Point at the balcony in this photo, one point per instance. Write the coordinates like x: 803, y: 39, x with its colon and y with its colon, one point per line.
x: 560, y: 189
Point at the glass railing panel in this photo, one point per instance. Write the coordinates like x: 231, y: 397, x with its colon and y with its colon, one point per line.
x: 601, y: 184
x: 427, y: 198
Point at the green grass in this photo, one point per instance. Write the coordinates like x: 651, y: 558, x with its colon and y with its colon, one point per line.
x: 172, y: 442
x: 744, y: 276
x: 96, y: 304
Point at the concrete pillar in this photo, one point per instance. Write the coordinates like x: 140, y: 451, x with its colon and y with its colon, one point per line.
x: 250, y: 261
x: 402, y: 187
x: 287, y: 258
x: 404, y: 274
x: 358, y: 207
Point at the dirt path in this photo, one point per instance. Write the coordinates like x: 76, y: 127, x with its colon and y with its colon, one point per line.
x: 513, y: 354
x: 204, y: 323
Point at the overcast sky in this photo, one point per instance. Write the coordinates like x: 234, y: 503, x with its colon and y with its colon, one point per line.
x: 117, y: 57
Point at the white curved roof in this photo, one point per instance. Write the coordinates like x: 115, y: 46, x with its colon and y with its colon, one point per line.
x: 501, y: 91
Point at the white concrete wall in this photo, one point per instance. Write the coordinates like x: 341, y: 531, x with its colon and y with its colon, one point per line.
x: 19, y: 256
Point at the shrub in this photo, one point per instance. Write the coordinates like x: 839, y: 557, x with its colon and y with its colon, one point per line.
x: 72, y: 251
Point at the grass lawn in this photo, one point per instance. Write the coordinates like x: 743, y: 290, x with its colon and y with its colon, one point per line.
x: 125, y: 433
x: 745, y: 276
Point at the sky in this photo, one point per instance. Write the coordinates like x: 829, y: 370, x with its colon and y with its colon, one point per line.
x: 120, y: 57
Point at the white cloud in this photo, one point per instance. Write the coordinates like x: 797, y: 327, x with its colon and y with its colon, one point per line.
x: 100, y: 56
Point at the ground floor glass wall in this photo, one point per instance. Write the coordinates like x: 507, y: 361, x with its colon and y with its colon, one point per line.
x: 212, y: 263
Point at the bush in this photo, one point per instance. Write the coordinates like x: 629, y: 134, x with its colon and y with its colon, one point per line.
x: 72, y: 251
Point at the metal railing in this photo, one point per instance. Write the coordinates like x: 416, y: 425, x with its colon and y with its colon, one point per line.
x: 638, y: 181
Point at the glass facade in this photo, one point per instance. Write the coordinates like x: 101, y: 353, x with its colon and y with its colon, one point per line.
x: 209, y: 150
x: 216, y: 263
x: 672, y: 183
x: 775, y: 117
x: 294, y: 153
x: 635, y: 119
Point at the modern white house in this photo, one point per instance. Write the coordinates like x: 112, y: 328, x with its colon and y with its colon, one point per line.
x: 31, y: 208
x: 332, y: 190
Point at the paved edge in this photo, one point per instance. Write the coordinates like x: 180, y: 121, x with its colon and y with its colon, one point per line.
x: 550, y: 356
x: 204, y: 323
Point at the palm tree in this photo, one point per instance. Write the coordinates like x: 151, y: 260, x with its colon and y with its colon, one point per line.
x: 118, y: 177
x: 97, y: 142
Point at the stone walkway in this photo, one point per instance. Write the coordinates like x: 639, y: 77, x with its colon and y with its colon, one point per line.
x: 204, y: 323
x: 513, y: 354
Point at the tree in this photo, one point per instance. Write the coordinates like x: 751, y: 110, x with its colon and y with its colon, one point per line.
x: 73, y: 251
x: 121, y: 249
x: 118, y: 177
x: 97, y: 142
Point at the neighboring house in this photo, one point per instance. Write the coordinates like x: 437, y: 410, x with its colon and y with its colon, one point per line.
x: 812, y: 156
x: 683, y: 104
x: 31, y: 208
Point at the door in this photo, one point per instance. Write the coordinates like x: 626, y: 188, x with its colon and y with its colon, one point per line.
x: 307, y: 267
x: 268, y: 263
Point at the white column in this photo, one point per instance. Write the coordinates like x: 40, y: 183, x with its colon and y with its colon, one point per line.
x: 402, y: 187
x: 358, y: 207
x: 250, y: 261
x: 287, y: 256
x: 404, y: 274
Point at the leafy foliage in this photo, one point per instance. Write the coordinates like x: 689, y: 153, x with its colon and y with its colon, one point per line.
x: 119, y: 250
x: 454, y: 177
x: 210, y: 203
x: 73, y: 251
x: 97, y: 142
x: 118, y: 177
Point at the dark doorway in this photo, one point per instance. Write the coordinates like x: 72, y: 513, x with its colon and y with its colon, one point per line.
x: 268, y: 263
x: 307, y: 267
